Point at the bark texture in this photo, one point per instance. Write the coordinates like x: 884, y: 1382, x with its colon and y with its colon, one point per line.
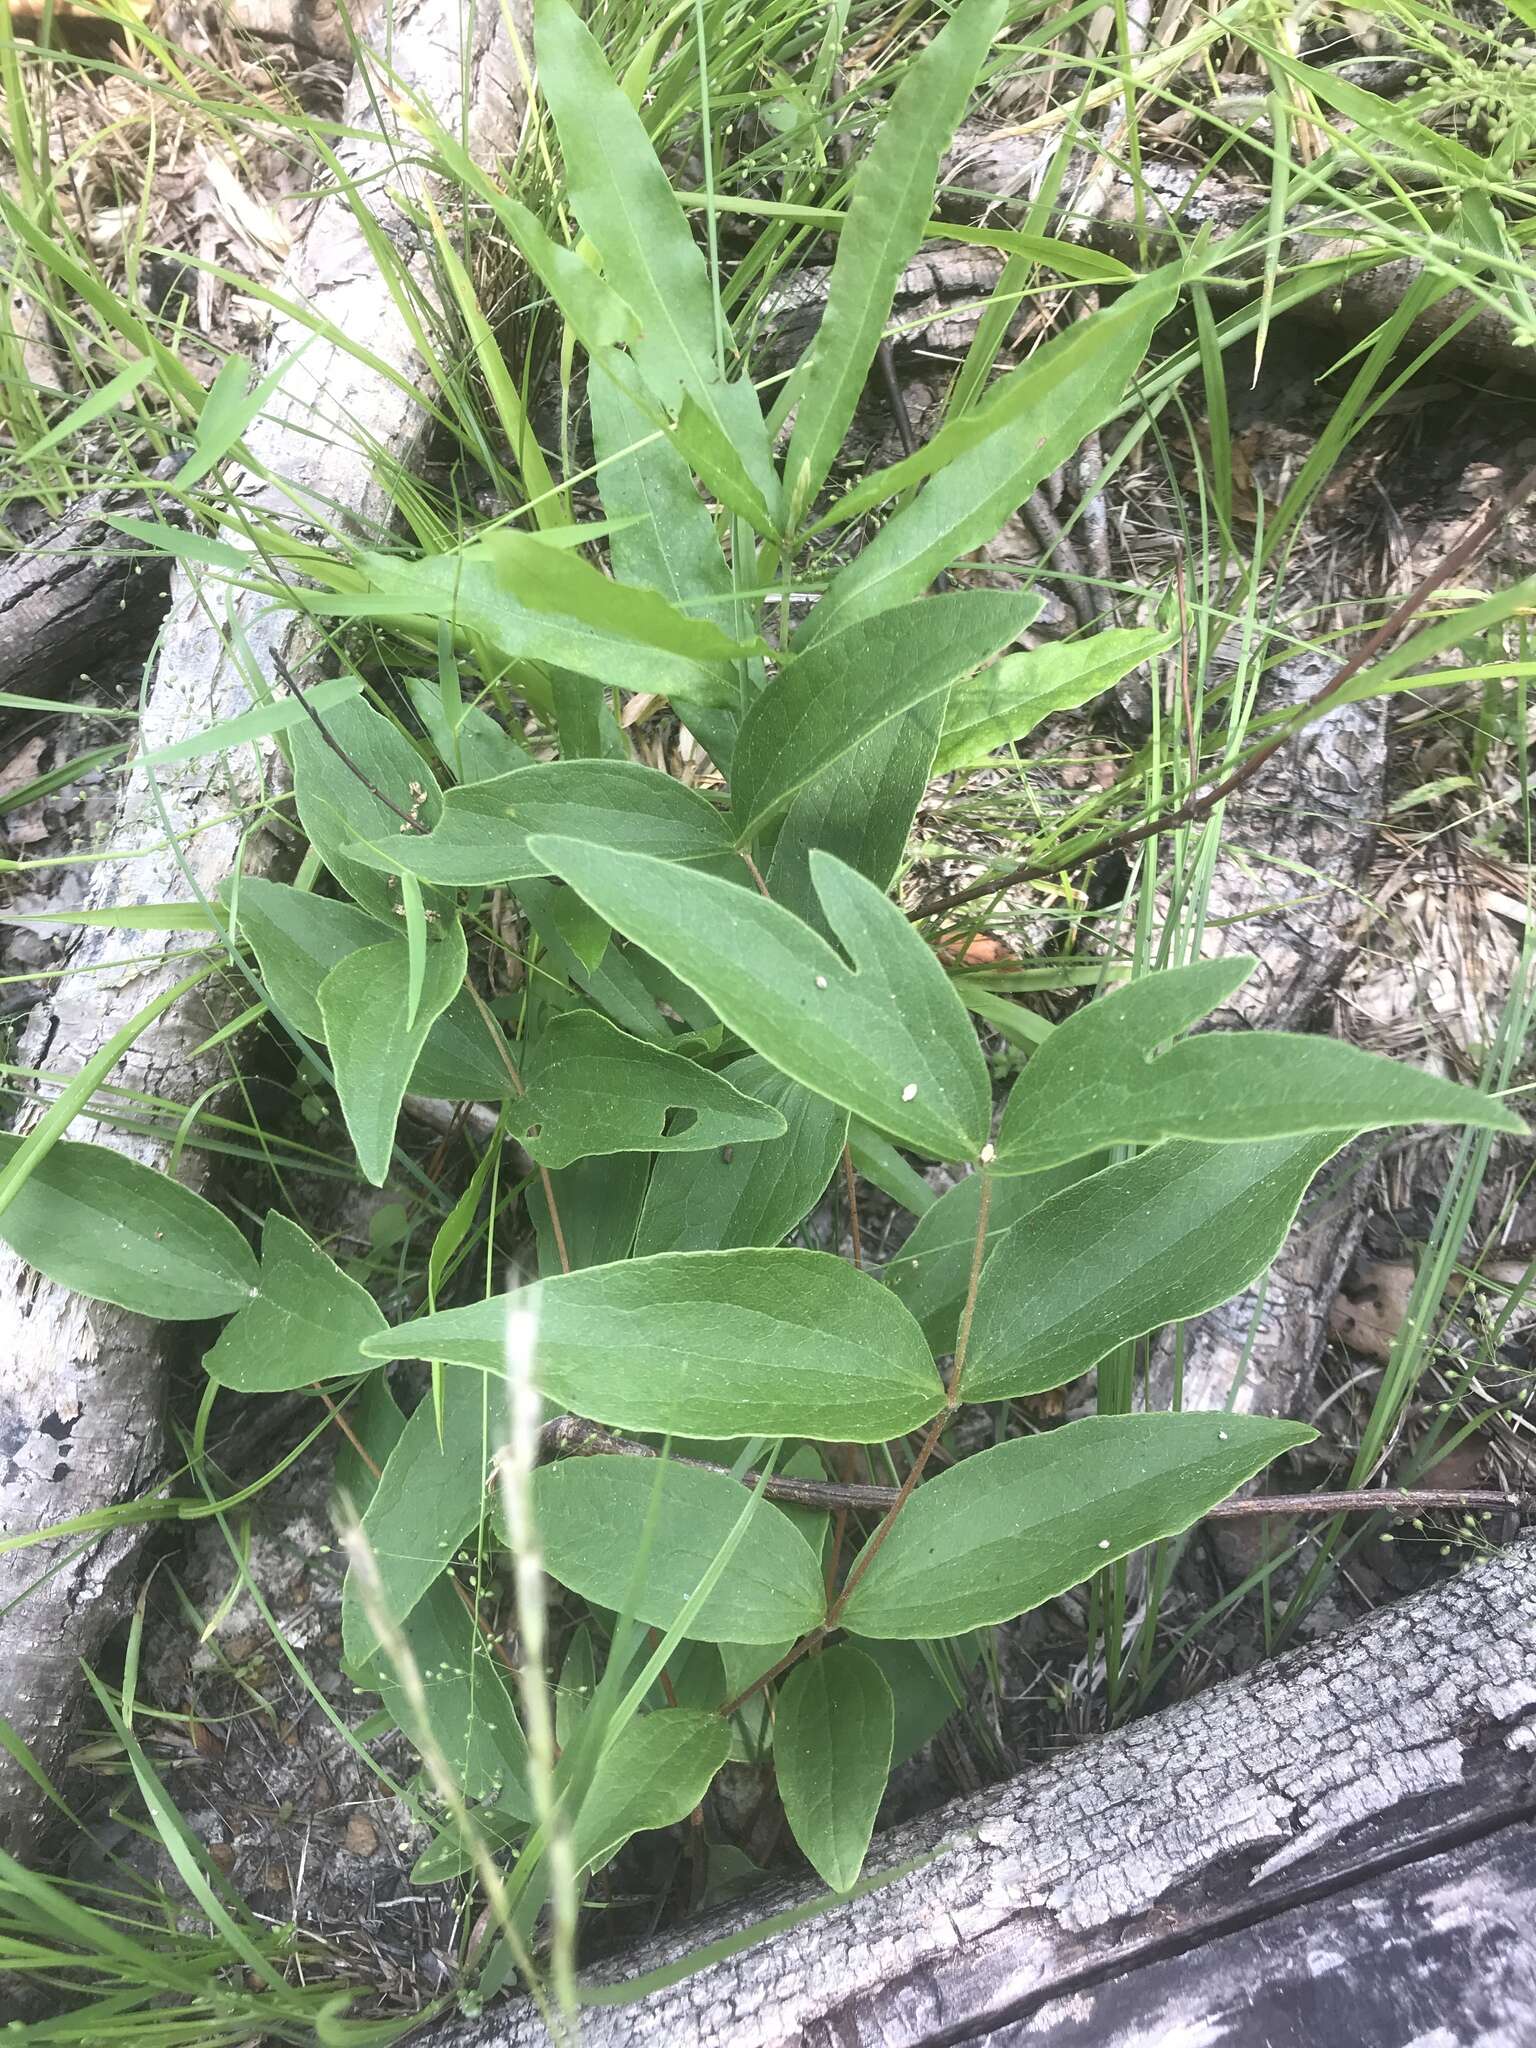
x: 80, y: 1407
x: 1258, y: 1825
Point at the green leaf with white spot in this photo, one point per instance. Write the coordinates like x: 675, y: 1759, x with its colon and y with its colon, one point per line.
x: 887, y: 1038
x: 1014, y: 1526
x: 1151, y: 1241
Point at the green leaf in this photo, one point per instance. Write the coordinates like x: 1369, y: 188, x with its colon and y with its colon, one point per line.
x: 1035, y: 418
x: 931, y: 1272
x: 475, y: 747
x: 887, y: 216
x: 638, y: 1534
x: 335, y: 806
x: 832, y: 1735
x: 746, y: 1194
x: 1100, y: 1080
x: 717, y: 1344
x: 592, y: 1090
x: 94, y: 1221
x: 298, y: 938
x: 482, y: 591
x: 468, y: 1707
x: 888, y: 1038
x: 850, y: 684
x: 1158, y: 1238
x: 364, y: 1002
x: 483, y: 834
x: 430, y: 1496
x: 654, y: 1772
x: 1014, y: 1526
x: 306, y: 1323
x: 620, y: 194
x: 664, y: 536
x: 1011, y: 698
x: 599, y: 1204
x: 861, y: 810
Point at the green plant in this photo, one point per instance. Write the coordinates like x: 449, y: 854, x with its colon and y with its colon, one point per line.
x: 720, y: 1003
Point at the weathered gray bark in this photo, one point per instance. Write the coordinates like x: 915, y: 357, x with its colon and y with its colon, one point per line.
x: 1222, y: 1827
x: 80, y: 598
x: 83, y: 1384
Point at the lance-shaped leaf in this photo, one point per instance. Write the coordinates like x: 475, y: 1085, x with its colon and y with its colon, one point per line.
x: 832, y: 1736
x: 639, y: 1534
x: 477, y: 590
x: 888, y: 209
x: 1029, y: 423
x: 849, y: 685
x: 887, y: 1038
x: 482, y: 836
x: 931, y: 1272
x: 593, y: 1089
x: 620, y: 194
x: 431, y: 1494
x: 94, y: 1221
x: 373, y: 1040
x: 708, y: 1344
x: 664, y: 534
x: 307, y: 1321
x: 1100, y: 1079
x: 752, y: 1194
x: 1007, y: 701
x: 654, y: 1772
x: 1156, y: 1239
x: 1003, y: 1531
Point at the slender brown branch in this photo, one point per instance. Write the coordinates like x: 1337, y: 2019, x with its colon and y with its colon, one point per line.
x: 1479, y: 530
x: 572, y: 1436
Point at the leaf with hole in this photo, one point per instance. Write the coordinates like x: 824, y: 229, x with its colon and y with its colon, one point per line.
x: 654, y: 1772
x: 306, y: 1322
x: 483, y: 833
x: 832, y: 1735
x: 849, y: 685
x: 1100, y: 1079
x: 364, y: 1005
x: 887, y: 1038
x: 752, y: 1193
x: 1151, y: 1241
x: 1014, y: 1526
x: 592, y: 1089
x: 718, y: 1344
x: 90, y: 1219
x: 638, y: 1535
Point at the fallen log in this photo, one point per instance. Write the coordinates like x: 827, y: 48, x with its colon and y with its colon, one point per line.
x: 1338, y: 1846
x: 80, y: 1409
